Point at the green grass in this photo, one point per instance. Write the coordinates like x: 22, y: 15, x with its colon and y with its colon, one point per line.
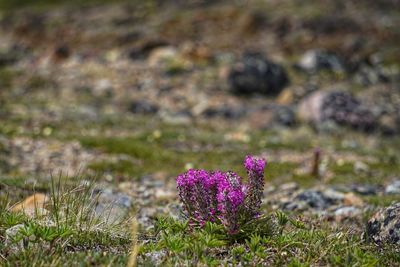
x: 70, y: 232
x: 311, y: 244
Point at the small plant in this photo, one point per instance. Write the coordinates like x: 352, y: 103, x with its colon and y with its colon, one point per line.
x: 220, y: 197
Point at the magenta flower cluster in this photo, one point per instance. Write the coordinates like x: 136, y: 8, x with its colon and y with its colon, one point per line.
x: 221, y: 197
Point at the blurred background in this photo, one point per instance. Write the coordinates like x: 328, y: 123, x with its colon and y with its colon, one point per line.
x: 139, y: 90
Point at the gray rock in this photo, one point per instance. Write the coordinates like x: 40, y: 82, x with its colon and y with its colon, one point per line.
x: 112, y: 207
x: 346, y: 212
x: 154, y: 258
x: 255, y: 74
x: 393, y: 188
x: 338, y: 107
x: 384, y: 226
x: 11, y: 235
x: 316, y: 60
x: 314, y: 199
x: 142, y: 107
x: 365, y: 189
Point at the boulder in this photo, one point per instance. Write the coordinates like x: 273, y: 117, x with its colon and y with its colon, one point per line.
x: 338, y: 107
x: 384, y: 226
x: 254, y: 74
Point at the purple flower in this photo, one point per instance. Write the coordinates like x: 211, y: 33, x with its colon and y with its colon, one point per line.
x: 255, y: 187
x: 220, y: 196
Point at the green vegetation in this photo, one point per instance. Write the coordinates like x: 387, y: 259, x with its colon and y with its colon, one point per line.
x: 68, y: 232
x: 296, y: 244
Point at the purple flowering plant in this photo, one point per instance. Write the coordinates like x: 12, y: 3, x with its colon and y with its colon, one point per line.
x: 221, y: 197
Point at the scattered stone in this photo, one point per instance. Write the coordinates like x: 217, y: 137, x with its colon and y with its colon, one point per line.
x: 369, y: 74
x: 393, y: 188
x: 61, y: 52
x: 292, y: 186
x: 11, y: 234
x: 142, y: 107
x: 284, y: 115
x: 316, y: 60
x: 35, y: 156
x: 361, y: 167
x: 365, y: 189
x: 286, y: 97
x: 315, y: 199
x: 350, y: 199
x: 161, y: 55
x: 336, y: 107
x: 33, y: 206
x: 112, y: 207
x: 255, y: 74
x: 224, y: 112
x: 154, y: 258
x: 346, y: 212
x: 102, y: 87
x: 384, y: 226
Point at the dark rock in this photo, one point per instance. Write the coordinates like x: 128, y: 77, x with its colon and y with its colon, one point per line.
x: 62, y: 52
x: 314, y: 199
x: 255, y: 74
x: 337, y: 107
x: 384, y: 226
x: 142, y: 107
x: 365, y: 189
x: 316, y: 60
x: 224, y: 112
x: 284, y: 115
x: 369, y: 75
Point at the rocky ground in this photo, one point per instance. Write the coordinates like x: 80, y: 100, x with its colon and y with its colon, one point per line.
x: 135, y: 93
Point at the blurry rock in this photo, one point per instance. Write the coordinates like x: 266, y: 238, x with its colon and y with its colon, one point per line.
x: 144, y: 47
x: 369, y: 74
x: 315, y: 199
x: 384, y: 226
x: 164, y: 194
x: 361, y: 167
x: 177, y: 118
x: 284, y: 115
x: 255, y: 74
x: 272, y: 115
x: 350, y: 199
x: 162, y: 55
x: 155, y: 258
x: 346, y: 212
x: 33, y: 205
x: 112, y: 207
x: 393, y: 188
x: 11, y: 234
x: 337, y: 107
x: 365, y: 189
x: 102, y: 88
x: 196, y: 52
x: 316, y: 60
x: 286, y: 97
x: 12, y: 55
x: 142, y: 107
x: 224, y: 112
x: 388, y: 124
x: 292, y: 186
x: 61, y: 52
